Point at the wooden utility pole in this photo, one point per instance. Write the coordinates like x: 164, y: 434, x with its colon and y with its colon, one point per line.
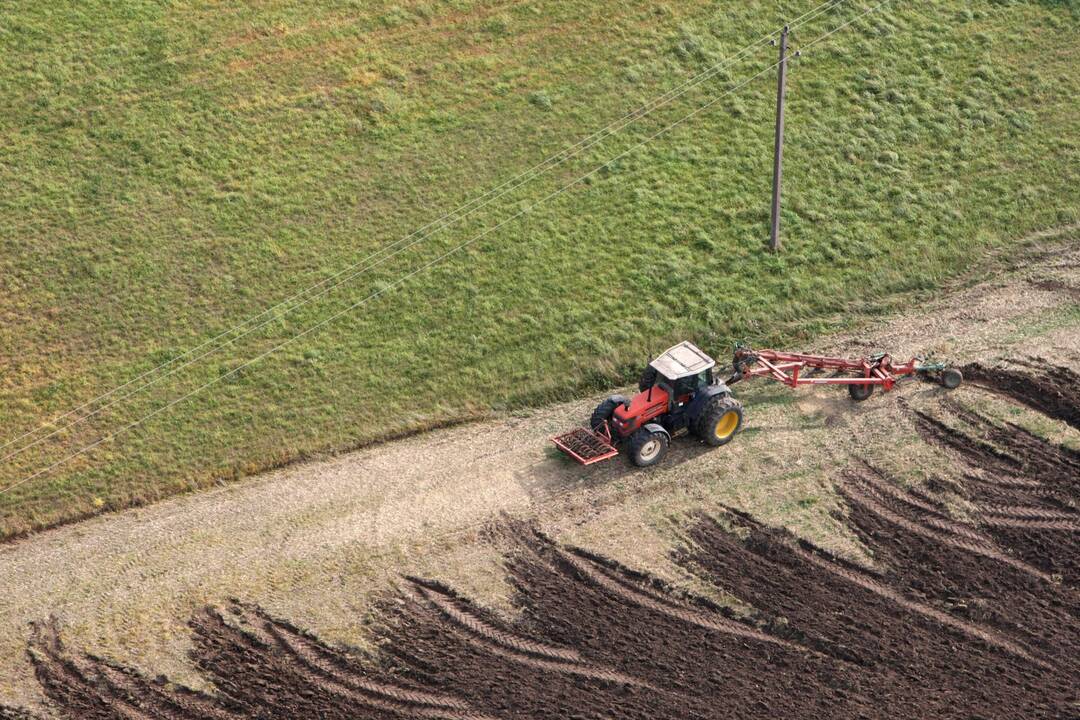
x: 778, y: 150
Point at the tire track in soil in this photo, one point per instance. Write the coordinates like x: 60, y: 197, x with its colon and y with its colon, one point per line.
x: 248, y: 664
x: 1031, y: 513
x: 377, y: 703
x: 711, y: 667
x: 598, y: 575
x: 1018, y: 467
x: 446, y: 602
x: 188, y: 703
x: 124, y: 685
x: 934, y: 614
x: 1050, y: 389
x: 875, y: 480
x: 931, y: 516
x: 977, y: 546
x: 976, y: 452
x: 910, y: 663
x: 87, y: 685
x: 990, y: 491
x: 507, y: 683
x: 1063, y: 525
x: 7, y: 713
x: 497, y: 642
x: 969, y: 587
x: 1035, y: 454
x: 335, y: 666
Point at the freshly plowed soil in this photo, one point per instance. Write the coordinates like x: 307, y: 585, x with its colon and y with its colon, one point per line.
x: 957, y: 619
x: 1006, y: 449
x: 1048, y: 388
x: 1026, y: 488
x: 13, y: 714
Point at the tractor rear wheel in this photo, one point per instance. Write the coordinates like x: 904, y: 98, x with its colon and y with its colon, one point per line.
x: 859, y: 393
x: 720, y: 420
x: 604, y: 411
x: 648, y: 447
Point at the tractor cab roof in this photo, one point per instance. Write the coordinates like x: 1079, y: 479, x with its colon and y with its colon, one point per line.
x: 681, y: 361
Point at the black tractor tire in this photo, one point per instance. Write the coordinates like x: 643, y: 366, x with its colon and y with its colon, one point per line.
x: 604, y: 411
x: 648, y: 378
x: 859, y: 393
x: 719, y: 421
x: 648, y: 447
x: 951, y: 378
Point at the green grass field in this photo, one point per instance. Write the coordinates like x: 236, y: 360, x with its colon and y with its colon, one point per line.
x: 171, y: 169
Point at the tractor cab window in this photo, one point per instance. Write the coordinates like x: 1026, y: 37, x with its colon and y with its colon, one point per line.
x: 691, y: 384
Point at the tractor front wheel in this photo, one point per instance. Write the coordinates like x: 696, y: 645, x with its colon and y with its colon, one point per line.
x: 648, y: 447
x: 720, y: 421
x: 604, y: 411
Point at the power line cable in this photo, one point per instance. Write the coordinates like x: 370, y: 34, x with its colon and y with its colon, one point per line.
x: 434, y: 262
x: 438, y: 225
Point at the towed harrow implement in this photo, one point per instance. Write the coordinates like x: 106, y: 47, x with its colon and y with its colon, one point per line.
x: 861, y: 375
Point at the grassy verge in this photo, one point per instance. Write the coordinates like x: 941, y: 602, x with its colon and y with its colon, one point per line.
x: 171, y: 170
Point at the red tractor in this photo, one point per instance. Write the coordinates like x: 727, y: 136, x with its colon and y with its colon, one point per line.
x: 678, y: 394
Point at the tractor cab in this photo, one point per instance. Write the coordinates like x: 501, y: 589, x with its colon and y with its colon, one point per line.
x: 681, y: 371
x: 673, y: 390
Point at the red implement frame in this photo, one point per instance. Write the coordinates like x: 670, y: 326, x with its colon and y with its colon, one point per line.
x: 788, y: 367
x: 587, y: 446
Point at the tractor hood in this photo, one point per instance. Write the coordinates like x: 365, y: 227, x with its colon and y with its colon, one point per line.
x: 642, y: 407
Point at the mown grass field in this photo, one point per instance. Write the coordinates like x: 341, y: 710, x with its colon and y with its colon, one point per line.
x: 171, y: 169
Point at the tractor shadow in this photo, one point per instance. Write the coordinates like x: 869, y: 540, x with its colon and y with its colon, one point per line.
x: 557, y: 474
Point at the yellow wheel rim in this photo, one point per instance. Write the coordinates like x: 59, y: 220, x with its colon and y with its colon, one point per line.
x: 726, y: 424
